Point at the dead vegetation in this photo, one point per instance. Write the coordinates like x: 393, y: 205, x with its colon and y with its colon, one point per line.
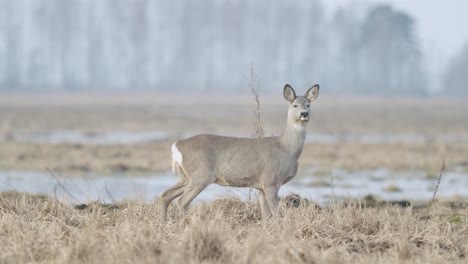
x: 45, y: 230
x: 41, y: 229
x: 154, y: 157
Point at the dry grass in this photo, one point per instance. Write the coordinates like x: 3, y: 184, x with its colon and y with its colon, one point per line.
x: 43, y: 230
x: 392, y: 188
x: 355, y: 156
x: 147, y: 158
x: 154, y: 157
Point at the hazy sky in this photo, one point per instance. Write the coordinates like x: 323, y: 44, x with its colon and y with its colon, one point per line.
x: 442, y: 24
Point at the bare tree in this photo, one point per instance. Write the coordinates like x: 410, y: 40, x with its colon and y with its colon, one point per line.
x: 455, y: 78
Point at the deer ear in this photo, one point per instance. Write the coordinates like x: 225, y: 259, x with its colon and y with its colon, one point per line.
x: 289, y: 93
x: 312, y: 93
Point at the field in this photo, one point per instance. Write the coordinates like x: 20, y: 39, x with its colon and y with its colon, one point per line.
x: 401, y: 134
x: 99, y: 135
x: 43, y: 230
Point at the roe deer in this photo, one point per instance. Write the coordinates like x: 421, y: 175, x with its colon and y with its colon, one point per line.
x: 262, y: 163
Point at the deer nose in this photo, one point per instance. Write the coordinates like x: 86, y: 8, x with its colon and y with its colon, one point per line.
x: 304, y: 114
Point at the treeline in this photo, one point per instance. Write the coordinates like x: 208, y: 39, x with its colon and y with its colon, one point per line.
x: 456, y: 78
x: 208, y: 45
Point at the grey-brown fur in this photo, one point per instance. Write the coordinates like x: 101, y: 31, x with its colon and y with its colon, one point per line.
x: 262, y: 163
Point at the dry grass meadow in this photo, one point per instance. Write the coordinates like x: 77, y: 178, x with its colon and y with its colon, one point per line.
x: 37, y: 229
x: 43, y: 229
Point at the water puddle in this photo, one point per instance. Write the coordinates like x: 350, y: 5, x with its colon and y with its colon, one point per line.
x: 127, y: 138
x: 385, y: 184
x: 107, y: 138
x: 106, y: 189
x: 381, y: 183
x: 383, y: 138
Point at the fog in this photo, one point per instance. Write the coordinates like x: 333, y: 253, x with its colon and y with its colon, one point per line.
x: 166, y: 45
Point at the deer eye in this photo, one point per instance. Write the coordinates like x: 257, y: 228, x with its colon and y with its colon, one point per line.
x: 295, y: 106
x: 308, y: 105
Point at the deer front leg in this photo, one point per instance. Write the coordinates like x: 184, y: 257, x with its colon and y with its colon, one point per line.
x: 271, y: 194
x: 266, y: 213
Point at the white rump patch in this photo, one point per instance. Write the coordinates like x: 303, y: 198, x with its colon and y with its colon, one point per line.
x: 176, y: 155
x: 176, y: 158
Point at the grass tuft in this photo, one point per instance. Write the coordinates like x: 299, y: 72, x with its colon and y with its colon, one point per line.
x: 392, y: 188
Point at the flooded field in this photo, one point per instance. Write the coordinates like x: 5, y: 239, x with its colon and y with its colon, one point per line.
x: 129, y: 138
x: 118, y: 148
x: 381, y: 184
x: 73, y: 137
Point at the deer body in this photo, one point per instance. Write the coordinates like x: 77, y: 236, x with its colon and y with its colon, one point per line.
x: 262, y: 163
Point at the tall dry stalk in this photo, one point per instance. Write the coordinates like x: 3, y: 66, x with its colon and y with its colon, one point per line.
x: 442, y: 169
x: 333, y: 191
x: 60, y: 184
x: 254, y: 86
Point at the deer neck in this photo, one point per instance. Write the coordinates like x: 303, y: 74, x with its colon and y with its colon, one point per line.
x: 293, y: 137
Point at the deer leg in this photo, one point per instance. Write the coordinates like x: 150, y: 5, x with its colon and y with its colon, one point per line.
x: 169, y: 195
x: 264, y: 205
x: 272, y: 199
x: 191, y: 191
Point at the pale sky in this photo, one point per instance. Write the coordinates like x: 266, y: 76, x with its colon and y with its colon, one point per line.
x: 442, y: 25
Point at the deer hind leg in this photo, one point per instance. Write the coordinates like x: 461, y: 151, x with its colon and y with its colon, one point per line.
x: 264, y: 204
x: 272, y: 199
x: 169, y: 195
x: 191, y: 191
